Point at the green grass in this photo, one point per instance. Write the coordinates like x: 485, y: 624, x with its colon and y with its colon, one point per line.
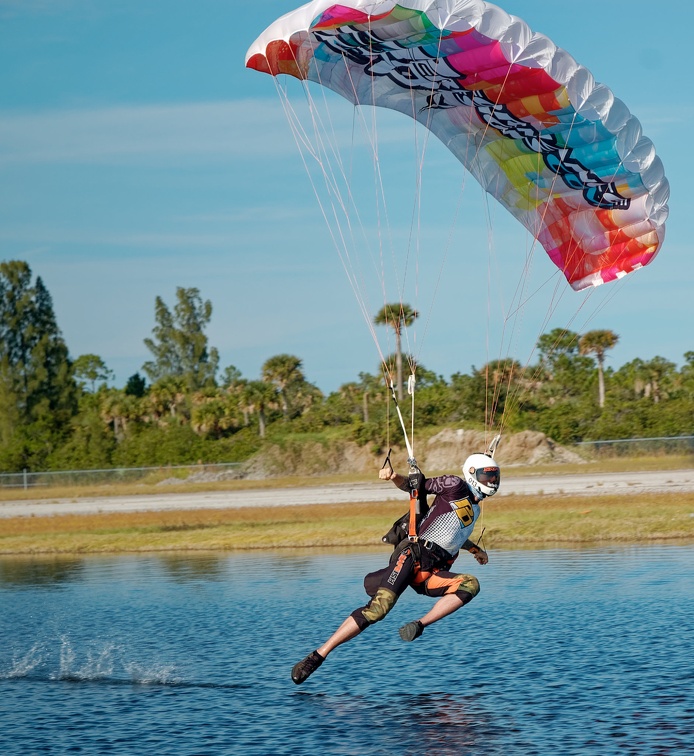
x: 511, y: 522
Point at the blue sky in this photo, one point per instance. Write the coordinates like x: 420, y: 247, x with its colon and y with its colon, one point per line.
x: 137, y: 154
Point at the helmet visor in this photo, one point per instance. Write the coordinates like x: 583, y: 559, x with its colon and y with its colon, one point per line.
x: 488, y: 476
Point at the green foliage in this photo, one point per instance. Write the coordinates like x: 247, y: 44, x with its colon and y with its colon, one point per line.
x: 179, y: 345
x: 168, y: 398
x: 178, y: 444
x: 90, y: 368
x: 597, y: 343
x: 90, y: 445
x: 260, y: 398
x: 231, y: 376
x: 39, y: 395
x: 49, y: 421
x: 171, y: 443
x: 136, y: 386
x: 294, y: 393
x: 558, y: 342
x: 237, y: 448
x: 398, y: 316
x: 566, y: 422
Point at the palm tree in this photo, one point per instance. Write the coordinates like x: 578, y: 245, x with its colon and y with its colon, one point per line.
x: 259, y: 396
x: 110, y: 402
x: 597, y: 343
x: 207, y: 417
x: 661, y: 377
x: 397, y: 316
x: 236, y: 397
x: 167, y: 395
x: 281, y: 371
x: 117, y: 408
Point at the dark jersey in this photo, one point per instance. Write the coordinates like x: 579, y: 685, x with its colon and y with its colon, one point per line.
x: 452, y: 515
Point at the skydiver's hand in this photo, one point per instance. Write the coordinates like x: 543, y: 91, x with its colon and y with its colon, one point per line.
x: 387, y: 473
x: 480, y: 555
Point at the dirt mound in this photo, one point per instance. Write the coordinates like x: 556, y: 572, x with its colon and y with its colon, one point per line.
x: 533, y: 448
x: 448, y: 449
x: 310, y: 459
x: 444, y: 452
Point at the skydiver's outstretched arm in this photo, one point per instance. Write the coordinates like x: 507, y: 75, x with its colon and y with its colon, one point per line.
x: 400, y: 481
x: 480, y: 554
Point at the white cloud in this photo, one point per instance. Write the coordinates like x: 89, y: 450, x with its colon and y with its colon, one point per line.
x: 228, y: 129
x: 212, y: 130
x: 49, y: 238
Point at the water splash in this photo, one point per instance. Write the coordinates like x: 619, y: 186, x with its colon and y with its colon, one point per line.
x: 76, y: 662
x: 67, y: 658
x: 24, y: 665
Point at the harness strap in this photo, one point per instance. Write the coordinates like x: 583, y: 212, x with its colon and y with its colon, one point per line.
x: 412, y: 530
x: 415, y: 480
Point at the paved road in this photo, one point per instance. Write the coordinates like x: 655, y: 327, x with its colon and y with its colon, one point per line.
x: 590, y: 485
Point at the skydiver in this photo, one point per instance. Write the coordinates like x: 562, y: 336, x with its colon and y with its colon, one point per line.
x: 424, y: 563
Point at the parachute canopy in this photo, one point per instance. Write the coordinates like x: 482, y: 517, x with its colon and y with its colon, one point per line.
x: 558, y: 150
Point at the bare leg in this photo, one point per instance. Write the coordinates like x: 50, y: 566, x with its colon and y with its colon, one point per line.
x: 347, y: 630
x: 306, y: 667
x: 442, y: 608
x: 380, y: 604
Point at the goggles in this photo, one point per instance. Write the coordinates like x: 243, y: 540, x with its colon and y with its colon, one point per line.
x: 488, y: 476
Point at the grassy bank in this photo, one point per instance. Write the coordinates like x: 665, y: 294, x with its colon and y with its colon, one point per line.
x: 511, y: 522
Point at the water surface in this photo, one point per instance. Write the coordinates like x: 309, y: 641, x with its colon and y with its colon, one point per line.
x: 563, y: 652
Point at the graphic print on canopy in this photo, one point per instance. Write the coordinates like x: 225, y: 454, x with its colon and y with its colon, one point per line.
x: 557, y: 150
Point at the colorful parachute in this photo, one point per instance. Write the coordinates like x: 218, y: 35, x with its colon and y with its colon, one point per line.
x: 559, y: 151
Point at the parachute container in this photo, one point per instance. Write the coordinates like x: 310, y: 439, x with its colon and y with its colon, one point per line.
x: 555, y: 148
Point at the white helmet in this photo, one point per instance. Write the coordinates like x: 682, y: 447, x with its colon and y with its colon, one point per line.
x: 482, y: 474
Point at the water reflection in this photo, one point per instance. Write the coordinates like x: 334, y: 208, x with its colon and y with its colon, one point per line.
x: 47, y: 572
x: 186, y: 567
x: 442, y: 723
x: 437, y: 722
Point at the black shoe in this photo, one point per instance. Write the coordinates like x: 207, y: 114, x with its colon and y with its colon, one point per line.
x: 306, y: 667
x: 411, y: 630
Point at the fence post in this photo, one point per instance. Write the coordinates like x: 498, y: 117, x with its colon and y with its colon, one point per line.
x: 24, y: 473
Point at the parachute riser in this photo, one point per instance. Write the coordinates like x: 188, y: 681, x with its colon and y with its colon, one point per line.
x: 411, y: 461
x: 414, y: 477
x: 492, y: 446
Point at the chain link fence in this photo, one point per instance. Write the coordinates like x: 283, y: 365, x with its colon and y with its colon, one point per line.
x: 637, y: 447
x: 623, y: 447
x: 114, y: 476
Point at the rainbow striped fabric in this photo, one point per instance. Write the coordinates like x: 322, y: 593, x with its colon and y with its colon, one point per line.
x: 558, y: 150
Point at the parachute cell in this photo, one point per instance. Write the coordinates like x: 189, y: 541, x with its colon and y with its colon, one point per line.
x: 559, y: 151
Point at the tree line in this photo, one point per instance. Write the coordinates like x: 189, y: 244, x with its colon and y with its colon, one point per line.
x: 57, y: 412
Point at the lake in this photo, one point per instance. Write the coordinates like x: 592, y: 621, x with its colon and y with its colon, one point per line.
x: 565, y: 651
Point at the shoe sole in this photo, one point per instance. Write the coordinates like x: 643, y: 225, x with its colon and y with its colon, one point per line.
x: 409, y: 632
